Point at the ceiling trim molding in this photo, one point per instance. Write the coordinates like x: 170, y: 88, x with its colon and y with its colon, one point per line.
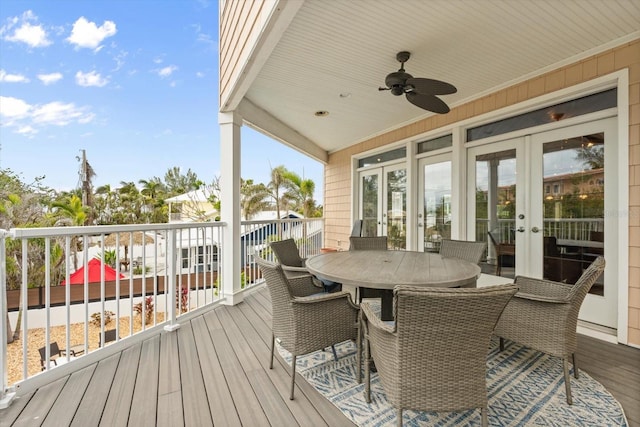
x: 282, y: 13
x: 263, y: 122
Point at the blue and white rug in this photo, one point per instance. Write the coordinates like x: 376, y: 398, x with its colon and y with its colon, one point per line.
x: 525, y: 388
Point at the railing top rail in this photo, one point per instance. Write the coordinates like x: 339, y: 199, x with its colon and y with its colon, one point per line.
x: 287, y: 220
x: 105, y: 229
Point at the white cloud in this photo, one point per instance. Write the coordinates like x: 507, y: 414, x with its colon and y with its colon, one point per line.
x: 13, y: 108
x: 119, y: 59
x: 166, y: 71
x: 26, y: 119
x: 91, y: 78
x: 27, y: 130
x: 21, y: 30
x: 51, y: 78
x: 58, y: 114
x: 88, y: 35
x: 12, y: 78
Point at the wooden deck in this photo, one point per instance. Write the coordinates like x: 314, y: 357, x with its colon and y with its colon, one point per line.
x: 214, y: 371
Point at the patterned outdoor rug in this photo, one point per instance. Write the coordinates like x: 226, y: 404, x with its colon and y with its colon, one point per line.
x: 525, y: 387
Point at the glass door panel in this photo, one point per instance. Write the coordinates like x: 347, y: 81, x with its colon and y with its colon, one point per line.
x: 572, y: 190
x: 495, y: 207
x: 573, y: 207
x: 395, y: 216
x: 370, y: 203
x: 435, y: 217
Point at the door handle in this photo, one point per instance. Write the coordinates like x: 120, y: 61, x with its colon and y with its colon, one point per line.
x: 535, y: 230
x: 520, y: 230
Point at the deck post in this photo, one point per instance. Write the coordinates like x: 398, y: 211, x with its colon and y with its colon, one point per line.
x: 230, y: 142
x: 171, y: 276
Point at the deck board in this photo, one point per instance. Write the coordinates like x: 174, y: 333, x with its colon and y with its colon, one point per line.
x: 118, y: 406
x: 40, y: 404
x: 220, y: 401
x: 72, y: 394
x: 95, y: 396
x: 144, y: 401
x: 169, y: 386
x: 250, y: 413
x: 214, y: 370
x: 196, y: 408
x: 10, y: 414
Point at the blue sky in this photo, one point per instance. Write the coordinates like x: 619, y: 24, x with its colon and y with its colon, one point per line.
x: 132, y: 82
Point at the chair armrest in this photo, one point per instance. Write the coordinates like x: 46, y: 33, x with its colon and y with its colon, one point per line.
x: 314, y: 299
x: 542, y: 288
x: 374, y: 320
x: 540, y: 298
x: 295, y: 269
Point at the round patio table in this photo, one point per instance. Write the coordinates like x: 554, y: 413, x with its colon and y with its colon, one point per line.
x: 386, y: 269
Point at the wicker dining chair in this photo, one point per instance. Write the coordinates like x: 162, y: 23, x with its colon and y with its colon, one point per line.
x: 463, y: 249
x: 543, y: 315
x: 304, y: 321
x: 369, y: 244
x: 434, y: 355
x: 293, y: 264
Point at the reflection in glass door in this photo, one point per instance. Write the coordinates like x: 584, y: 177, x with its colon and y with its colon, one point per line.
x: 394, y: 220
x: 573, y: 207
x: 495, y: 208
x: 383, y: 204
x: 434, y: 220
x: 370, y: 203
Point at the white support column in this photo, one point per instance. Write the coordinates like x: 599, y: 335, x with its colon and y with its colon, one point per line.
x: 230, y: 141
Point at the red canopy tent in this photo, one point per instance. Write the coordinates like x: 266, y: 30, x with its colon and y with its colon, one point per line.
x: 95, y: 273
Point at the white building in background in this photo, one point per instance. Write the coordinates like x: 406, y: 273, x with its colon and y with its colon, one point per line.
x: 193, y: 206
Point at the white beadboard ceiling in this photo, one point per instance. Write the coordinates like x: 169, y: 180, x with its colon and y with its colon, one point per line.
x: 335, y: 47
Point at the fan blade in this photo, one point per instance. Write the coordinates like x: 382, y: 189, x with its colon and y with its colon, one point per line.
x: 431, y: 87
x: 428, y: 102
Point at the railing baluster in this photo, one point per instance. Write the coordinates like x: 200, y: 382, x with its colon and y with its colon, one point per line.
x: 25, y: 307
x: 6, y: 397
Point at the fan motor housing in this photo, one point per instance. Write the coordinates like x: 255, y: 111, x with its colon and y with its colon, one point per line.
x: 396, y: 82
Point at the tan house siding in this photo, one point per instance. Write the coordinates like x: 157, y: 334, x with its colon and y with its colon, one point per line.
x: 338, y: 170
x: 240, y: 24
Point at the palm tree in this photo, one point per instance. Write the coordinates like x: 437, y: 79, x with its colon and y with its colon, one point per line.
x: 154, y: 192
x: 254, y: 198
x: 70, y: 212
x: 177, y: 183
x: 277, y: 188
x: 302, y: 190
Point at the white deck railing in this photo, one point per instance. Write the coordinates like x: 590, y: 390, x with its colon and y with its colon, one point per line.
x: 162, y: 272
x: 570, y: 229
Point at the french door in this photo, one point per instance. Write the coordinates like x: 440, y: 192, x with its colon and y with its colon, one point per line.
x: 383, y: 204
x: 546, y: 194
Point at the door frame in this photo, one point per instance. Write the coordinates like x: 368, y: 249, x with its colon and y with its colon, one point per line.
x: 592, y: 303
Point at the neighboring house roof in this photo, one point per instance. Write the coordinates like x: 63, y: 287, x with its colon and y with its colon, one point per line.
x: 200, y: 195
x: 271, y: 215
